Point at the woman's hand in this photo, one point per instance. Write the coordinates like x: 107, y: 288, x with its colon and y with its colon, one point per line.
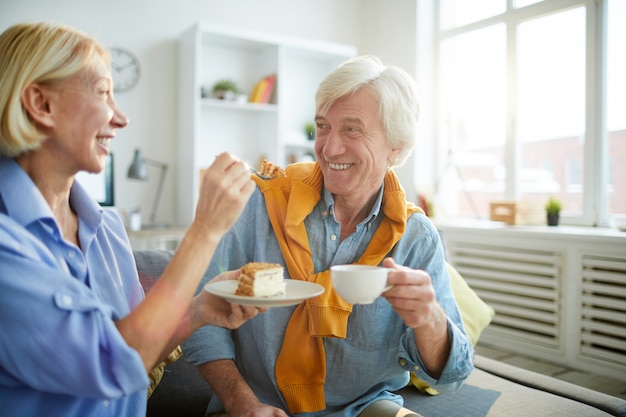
x: 224, y: 191
x: 210, y: 309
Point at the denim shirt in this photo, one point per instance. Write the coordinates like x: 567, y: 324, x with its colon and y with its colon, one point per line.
x: 60, y: 351
x: 379, y: 349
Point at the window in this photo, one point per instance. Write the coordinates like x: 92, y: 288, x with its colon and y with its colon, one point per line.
x: 100, y: 186
x: 531, y: 103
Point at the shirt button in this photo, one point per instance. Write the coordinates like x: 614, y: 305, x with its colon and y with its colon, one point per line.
x: 416, y: 368
x: 66, y: 300
x: 106, y: 403
x: 402, y: 362
x: 333, y: 237
x: 71, y: 254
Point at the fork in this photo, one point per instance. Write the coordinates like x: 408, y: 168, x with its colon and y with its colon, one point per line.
x: 258, y: 174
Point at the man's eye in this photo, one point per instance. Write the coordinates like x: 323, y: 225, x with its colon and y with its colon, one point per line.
x: 321, y: 126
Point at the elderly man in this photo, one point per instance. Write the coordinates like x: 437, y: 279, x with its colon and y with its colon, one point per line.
x: 326, y: 357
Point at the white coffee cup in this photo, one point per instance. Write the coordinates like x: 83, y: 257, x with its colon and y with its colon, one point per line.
x: 359, y: 284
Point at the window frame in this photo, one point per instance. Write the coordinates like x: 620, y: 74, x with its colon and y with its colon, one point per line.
x: 595, y: 154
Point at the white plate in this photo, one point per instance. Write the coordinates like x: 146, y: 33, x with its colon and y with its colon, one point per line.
x: 296, y: 292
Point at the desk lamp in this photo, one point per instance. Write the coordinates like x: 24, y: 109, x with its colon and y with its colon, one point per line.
x: 138, y: 170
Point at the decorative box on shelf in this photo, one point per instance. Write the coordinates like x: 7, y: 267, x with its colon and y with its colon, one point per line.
x: 517, y: 212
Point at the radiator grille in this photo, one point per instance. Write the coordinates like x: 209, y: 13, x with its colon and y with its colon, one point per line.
x: 521, y: 284
x: 603, y: 309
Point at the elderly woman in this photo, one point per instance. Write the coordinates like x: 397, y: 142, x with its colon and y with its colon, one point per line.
x: 326, y: 357
x: 77, y: 336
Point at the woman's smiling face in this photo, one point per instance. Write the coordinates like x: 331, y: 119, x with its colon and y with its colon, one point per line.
x: 85, y: 117
x: 351, y: 146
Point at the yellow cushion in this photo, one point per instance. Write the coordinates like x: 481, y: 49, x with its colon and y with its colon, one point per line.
x: 475, y: 313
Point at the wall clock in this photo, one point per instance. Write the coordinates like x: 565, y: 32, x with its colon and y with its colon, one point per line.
x: 125, y: 69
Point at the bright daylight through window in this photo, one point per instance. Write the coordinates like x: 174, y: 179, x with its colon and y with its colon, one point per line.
x: 531, y: 104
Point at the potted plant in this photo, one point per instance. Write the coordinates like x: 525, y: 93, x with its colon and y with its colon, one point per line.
x: 309, y: 130
x: 553, y: 211
x: 225, y: 89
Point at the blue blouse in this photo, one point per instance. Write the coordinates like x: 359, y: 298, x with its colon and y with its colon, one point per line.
x: 60, y: 351
x: 379, y: 350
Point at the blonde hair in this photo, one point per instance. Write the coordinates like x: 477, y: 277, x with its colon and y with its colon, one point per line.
x: 398, y: 105
x: 42, y: 53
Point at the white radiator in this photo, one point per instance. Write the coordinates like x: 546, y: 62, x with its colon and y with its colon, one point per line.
x: 522, y: 285
x: 603, y: 309
x: 559, y: 293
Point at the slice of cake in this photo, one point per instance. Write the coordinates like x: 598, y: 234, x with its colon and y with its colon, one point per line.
x: 271, y: 170
x: 260, y: 279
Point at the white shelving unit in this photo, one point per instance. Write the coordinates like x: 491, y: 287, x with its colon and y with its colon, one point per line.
x: 207, y: 126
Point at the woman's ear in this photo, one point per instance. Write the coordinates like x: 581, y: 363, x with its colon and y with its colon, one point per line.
x: 35, y: 101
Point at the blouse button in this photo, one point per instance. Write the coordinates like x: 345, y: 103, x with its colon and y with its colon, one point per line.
x: 66, y: 300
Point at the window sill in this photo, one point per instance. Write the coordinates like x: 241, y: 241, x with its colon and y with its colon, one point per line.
x: 530, y: 231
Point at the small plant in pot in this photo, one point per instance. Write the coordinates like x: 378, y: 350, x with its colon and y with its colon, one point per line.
x: 553, y: 211
x: 309, y: 130
x: 225, y: 90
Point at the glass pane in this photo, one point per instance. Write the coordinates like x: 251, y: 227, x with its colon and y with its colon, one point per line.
x: 461, y: 12
x: 472, y: 122
x: 616, y: 106
x: 523, y: 3
x: 551, y: 108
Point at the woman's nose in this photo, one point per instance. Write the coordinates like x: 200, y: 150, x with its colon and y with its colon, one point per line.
x: 119, y: 119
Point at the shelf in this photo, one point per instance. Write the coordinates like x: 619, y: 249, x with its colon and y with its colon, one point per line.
x: 228, y: 104
x: 209, y: 53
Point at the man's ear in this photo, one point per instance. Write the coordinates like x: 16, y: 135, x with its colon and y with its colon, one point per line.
x: 393, y: 156
x: 35, y: 100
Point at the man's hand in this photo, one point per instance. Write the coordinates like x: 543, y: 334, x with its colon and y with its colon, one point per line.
x: 412, y: 296
x: 234, y: 392
x: 258, y: 410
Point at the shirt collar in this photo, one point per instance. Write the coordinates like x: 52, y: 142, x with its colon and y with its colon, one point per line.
x: 329, y: 204
x: 25, y: 203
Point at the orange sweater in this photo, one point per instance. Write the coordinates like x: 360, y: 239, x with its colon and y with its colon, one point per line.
x: 289, y: 201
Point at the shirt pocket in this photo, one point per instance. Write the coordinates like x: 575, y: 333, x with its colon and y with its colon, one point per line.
x: 78, y: 302
x: 374, y: 326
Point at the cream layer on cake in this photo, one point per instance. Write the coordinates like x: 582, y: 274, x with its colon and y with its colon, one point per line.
x: 261, y: 279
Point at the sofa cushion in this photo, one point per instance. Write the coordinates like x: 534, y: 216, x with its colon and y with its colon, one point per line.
x: 498, y: 389
x: 475, y: 313
x: 487, y: 395
x: 183, y: 392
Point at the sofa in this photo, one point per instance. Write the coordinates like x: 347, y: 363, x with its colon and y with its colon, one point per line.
x: 493, y: 388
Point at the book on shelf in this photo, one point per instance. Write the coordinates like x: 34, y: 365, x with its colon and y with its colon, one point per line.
x: 262, y: 91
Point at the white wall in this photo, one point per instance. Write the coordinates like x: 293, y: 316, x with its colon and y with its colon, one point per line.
x: 151, y: 29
